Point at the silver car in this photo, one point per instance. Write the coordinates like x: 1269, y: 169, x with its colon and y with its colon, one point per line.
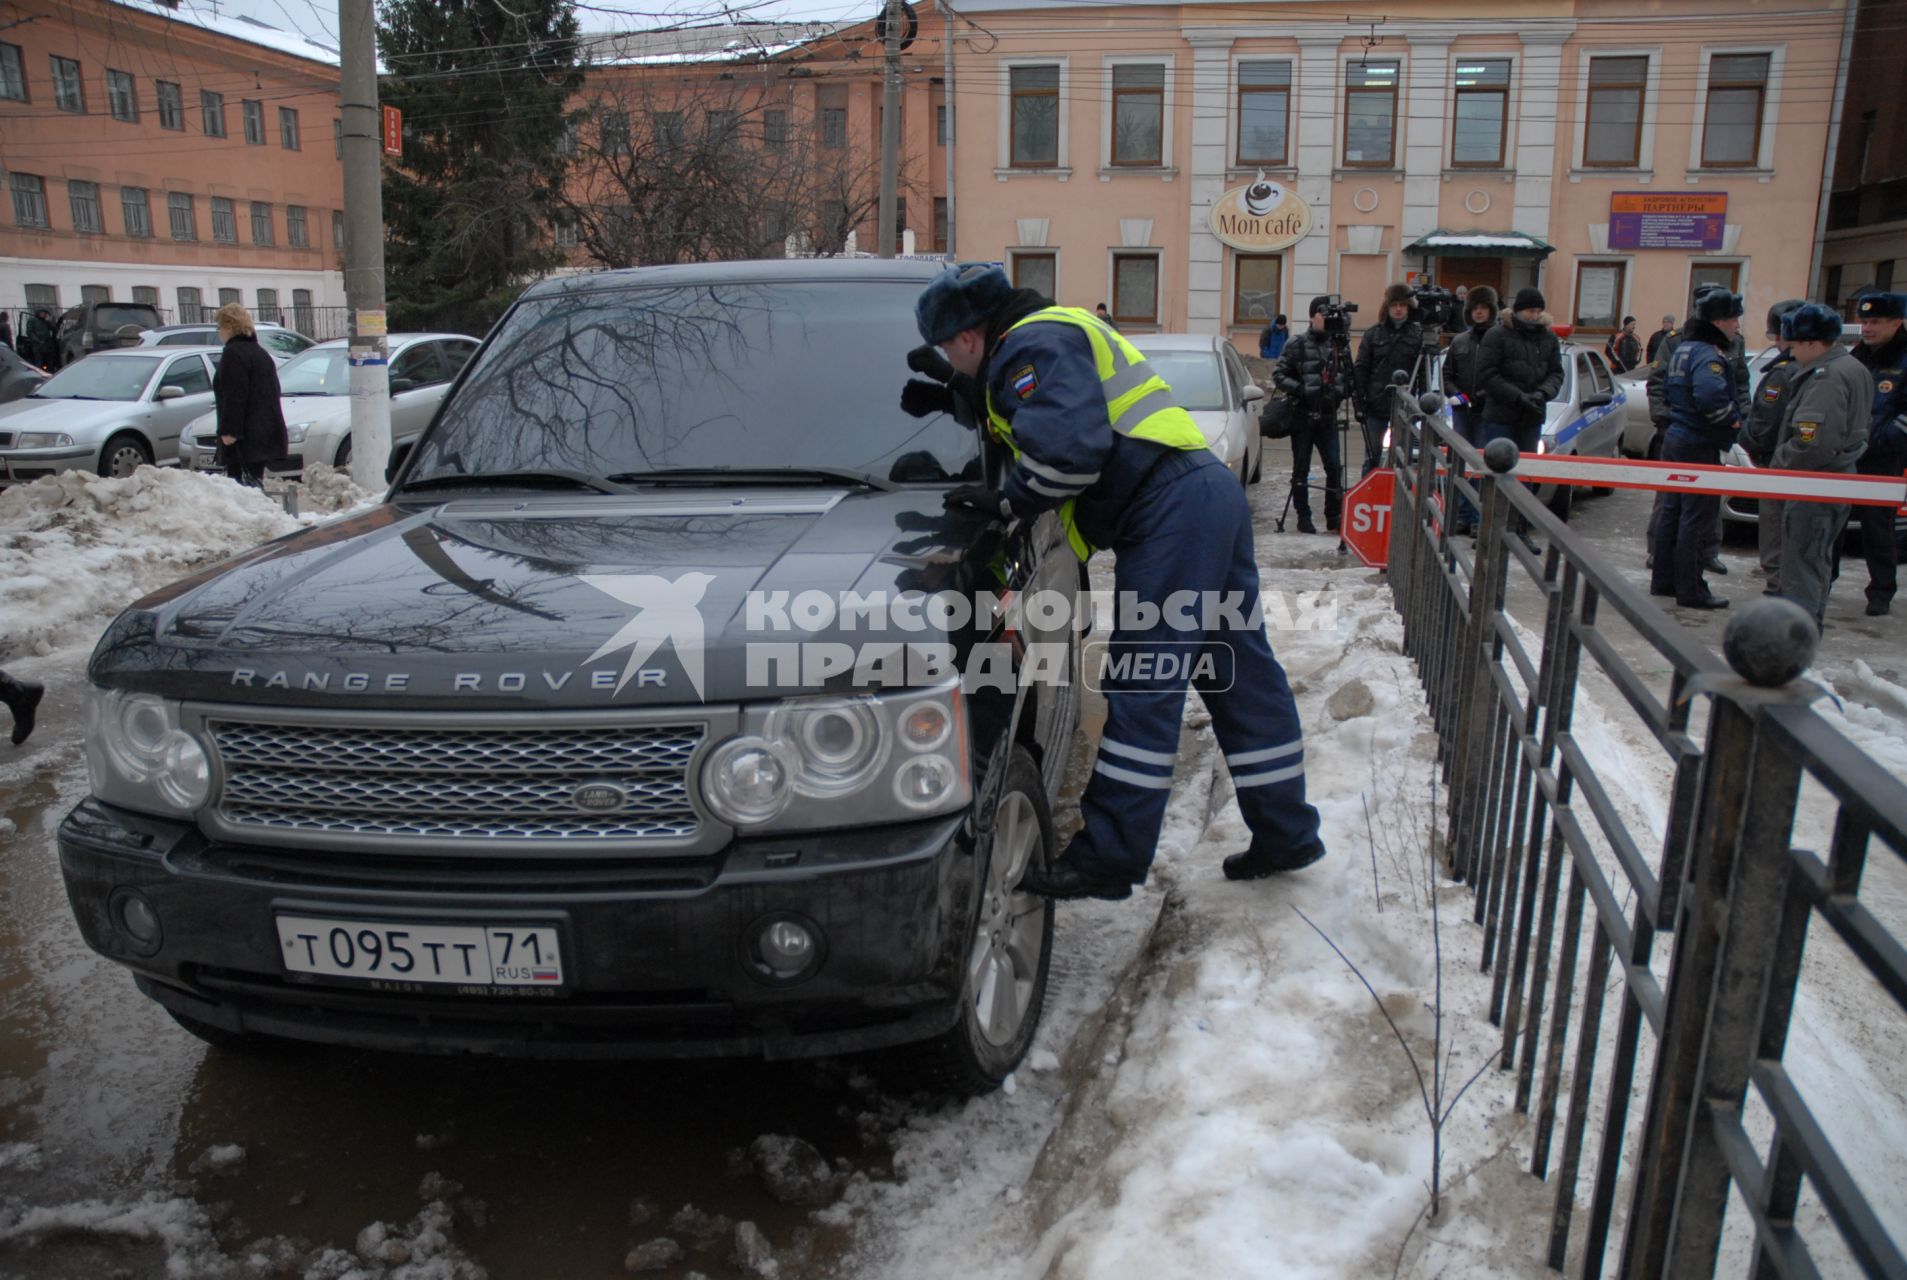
x: 110, y: 413
x: 280, y: 343
x: 316, y: 387
x: 1210, y: 382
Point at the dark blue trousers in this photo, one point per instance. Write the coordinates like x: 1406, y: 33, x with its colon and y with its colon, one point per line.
x: 1468, y: 424
x: 1683, y: 525
x: 1187, y: 535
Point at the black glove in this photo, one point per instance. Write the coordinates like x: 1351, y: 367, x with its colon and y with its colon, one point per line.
x: 927, y: 359
x: 1535, y: 402
x: 978, y: 497
x: 920, y: 398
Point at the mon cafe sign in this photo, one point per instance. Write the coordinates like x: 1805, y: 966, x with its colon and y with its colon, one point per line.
x: 1261, y: 217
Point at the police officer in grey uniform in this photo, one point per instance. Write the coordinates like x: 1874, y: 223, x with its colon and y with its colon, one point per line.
x: 1824, y: 427
x: 1759, y: 433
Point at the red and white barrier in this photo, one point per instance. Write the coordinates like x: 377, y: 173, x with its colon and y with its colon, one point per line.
x: 1681, y: 477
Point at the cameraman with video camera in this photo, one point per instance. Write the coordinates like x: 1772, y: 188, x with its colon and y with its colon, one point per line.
x: 1311, y: 374
x: 1395, y: 342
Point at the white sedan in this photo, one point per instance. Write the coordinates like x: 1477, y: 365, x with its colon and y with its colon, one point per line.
x: 1210, y: 382
x: 111, y: 413
x: 316, y: 390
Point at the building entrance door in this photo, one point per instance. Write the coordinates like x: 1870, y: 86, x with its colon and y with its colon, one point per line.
x: 1471, y: 272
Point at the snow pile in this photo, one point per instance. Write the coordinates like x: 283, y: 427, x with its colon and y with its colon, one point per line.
x: 75, y: 549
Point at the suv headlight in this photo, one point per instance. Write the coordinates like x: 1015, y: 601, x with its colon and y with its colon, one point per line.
x: 42, y: 440
x: 842, y: 762
x: 140, y: 758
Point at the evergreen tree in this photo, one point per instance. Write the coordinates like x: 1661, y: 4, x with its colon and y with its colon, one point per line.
x: 484, y: 86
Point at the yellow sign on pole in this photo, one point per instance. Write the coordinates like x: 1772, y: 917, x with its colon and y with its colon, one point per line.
x: 371, y: 324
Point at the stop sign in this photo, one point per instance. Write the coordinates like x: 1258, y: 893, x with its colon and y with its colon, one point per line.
x: 1367, y: 517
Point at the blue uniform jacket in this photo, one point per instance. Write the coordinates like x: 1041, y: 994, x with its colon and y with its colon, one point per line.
x: 1888, y: 365
x: 1042, y: 380
x: 1700, y: 390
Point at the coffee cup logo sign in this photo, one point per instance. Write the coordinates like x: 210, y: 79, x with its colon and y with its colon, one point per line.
x: 1261, y: 217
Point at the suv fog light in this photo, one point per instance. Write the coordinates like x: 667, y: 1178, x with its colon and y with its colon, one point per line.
x: 137, y: 919
x: 785, y: 948
x: 748, y: 781
x: 924, y: 782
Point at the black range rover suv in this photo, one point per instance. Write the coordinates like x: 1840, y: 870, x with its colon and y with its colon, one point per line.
x: 641, y: 719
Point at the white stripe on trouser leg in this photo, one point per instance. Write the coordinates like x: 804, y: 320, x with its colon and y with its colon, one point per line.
x: 1268, y: 754
x: 1265, y: 779
x: 1117, y: 774
x: 1136, y: 753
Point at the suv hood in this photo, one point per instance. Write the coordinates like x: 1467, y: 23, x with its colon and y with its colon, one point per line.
x: 546, y: 601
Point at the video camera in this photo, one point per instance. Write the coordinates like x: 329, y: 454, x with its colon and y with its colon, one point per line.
x: 1434, y: 306
x: 1337, y: 315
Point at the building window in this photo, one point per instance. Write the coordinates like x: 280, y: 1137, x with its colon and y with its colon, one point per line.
x: 337, y: 139
x: 69, y: 93
x: 774, y: 129
x: 288, y: 128
x: 295, y: 233
x: 1034, y: 131
x: 1731, y: 120
x: 147, y: 294
x: 121, y: 96
x: 940, y: 224
x: 943, y: 125
x: 267, y: 308
x: 224, y: 224
x: 184, y: 219
x: 12, y: 73
x: 94, y: 293
x: 212, y: 113
x: 1481, y: 114
x: 1598, y: 305
x: 135, y: 209
x: 1264, y: 113
x: 1138, y: 114
x: 567, y: 142
x: 834, y: 127
x: 1038, y: 271
x: 171, y: 105
x: 1370, y: 114
x: 1255, y: 288
x: 667, y: 127
x: 612, y: 133
x: 43, y: 295
x: 1616, y: 88
x: 83, y: 199
x: 337, y: 229
x: 563, y: 231
x: 29, y: 199
x: 227, y: 295
x: 1135, y: 288
x: 261, y: 222
x: 1725, y: 274
x: 190, y: 310
x: 719, y: 128
x: 1884, y: 276
x: 254, y: 113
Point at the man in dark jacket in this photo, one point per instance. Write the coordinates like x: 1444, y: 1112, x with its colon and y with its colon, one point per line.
x: 36, y: 340
x: 1659, y: 414
x: 1460, y: 383
x: 1624, y: 349
x: 1391, y: 345
x: 251, y: 421
x: 1883, y: 351
x: 1704, y: 414
x: 1305, y: 376
x: 1519, y: 369
x: 1659, y: 337
x: 1759, y: 433
x: 1827, y: 403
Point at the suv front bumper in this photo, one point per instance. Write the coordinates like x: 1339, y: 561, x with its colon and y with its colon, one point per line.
x: 656, y: 952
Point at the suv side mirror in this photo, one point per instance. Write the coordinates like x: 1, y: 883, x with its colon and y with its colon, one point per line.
x: 400, y: 385
x: 171, y: 391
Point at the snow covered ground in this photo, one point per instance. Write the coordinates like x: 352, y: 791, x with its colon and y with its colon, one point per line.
x: 1214, y: 1093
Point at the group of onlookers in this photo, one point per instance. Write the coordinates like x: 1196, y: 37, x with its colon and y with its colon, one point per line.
x: 36, y: 343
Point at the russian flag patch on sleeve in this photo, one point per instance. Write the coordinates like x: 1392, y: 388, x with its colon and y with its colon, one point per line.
x: 1025, y: 382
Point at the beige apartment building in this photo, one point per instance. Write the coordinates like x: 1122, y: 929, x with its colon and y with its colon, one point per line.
x: 167, y: 156
x: 1203, y: 165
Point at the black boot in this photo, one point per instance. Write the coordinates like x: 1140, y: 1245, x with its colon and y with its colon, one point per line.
x: 1063, y: 880
x: 1305, y: 525
x: 22, y: 698
x: 1256, y: 864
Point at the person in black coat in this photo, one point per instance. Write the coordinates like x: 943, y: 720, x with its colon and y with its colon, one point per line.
x: 1460, y: 383
x: 1391, y: 345
x: 251, y: 422
x: 1305, y: 376
x: 36, y: 340
x: 1519, y: 368
x: 6, y: 331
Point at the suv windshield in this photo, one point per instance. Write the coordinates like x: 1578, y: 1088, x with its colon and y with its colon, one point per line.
x: 321, y: 371
x: 745, y: 375
x: 115, y: 378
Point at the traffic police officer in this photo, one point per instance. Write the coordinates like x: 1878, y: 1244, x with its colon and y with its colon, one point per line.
x: 1096, y: 434
x: 1883, y: 351
x: 1704, y: 414
x: 1759, y: 435
x: 1824, y: 427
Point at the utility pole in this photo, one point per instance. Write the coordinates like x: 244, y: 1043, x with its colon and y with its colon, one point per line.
x: 891, y: 128
x: 364, y: 245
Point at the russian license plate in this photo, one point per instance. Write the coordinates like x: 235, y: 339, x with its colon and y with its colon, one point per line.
x: 205, y: 460
x: 488, y: 955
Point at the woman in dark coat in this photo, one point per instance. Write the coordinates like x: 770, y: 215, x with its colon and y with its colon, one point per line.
x: 251, y: 421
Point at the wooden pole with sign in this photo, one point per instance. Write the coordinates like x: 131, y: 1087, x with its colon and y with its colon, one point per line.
x: 364, y: 246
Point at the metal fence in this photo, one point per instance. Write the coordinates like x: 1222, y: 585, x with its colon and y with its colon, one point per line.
x: 1703, y: 929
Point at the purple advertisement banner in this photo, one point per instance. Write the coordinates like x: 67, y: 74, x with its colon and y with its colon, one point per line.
x: 1667, y: 220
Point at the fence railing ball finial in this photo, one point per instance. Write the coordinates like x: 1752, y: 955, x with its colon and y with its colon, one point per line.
x: 1770, y: 642
x: 1500, y: 456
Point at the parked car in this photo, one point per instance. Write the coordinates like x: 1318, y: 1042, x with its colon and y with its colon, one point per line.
x: 101, y: 326
x: 17, y: 377
x: 316, y: 386
x: 279, y: 342
x: 502, y: 766
x: 1210, y: 382
x: 110, y: 414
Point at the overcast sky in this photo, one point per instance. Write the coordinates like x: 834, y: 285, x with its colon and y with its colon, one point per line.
x: 319, y: 21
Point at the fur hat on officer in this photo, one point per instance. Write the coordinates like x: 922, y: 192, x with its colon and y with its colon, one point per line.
x: 1481, y: 296
x: 1882, y: 306
x: 1811, y: 322
x: 1718, y: 304
x: 1398, y: 293
x: 960, y: 298
x: 1780, y: 309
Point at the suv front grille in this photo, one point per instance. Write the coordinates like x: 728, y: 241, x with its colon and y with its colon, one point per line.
x: 448, y: 784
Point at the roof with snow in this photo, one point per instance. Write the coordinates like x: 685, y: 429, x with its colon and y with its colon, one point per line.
x: 1481, y: 244
x: 237, y: 27
x: 722, y: 42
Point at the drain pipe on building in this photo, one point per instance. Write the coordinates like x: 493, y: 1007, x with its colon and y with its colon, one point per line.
x: 953, y: 123
x: 1850, y: 10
